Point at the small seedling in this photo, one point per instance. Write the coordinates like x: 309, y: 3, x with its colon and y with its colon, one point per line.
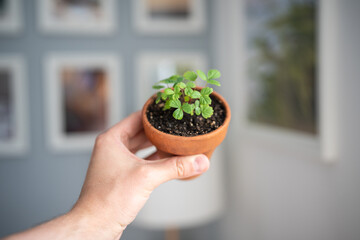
x: 180, y: 92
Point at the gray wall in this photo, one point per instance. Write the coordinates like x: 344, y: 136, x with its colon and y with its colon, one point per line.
x: 42, y: 184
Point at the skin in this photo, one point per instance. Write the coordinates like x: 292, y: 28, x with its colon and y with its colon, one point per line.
x: 117, y: 185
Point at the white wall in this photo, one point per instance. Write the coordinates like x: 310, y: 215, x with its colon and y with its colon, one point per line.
x: 282, y: 195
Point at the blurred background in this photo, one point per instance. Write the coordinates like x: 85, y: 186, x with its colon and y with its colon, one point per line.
x: 290, y: 165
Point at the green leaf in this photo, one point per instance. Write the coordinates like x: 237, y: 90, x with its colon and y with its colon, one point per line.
x: 175, y: 103
x: 171, y: 79
x: 197, y: 103
x: 177, y: 89
x: 186, y: 98
x: 167, y: 105
x: 179, y: 79
x: 195, y: 94
x: 164, y: 96
x: 174, y: 77
x: 190, y: 75
x: 197, y: 107
x: 201, y: 75
x: 158, y: 98
x: 206, y: 111
x: 169, y: 91
x: 213, y: 73
x: 188, y: 91
x: 205, y: 100
x: 157, y: 86
x: 190, y: 84
x: 188, y: 108
x: 214, y: 82
x: 197, y: 111
x: 206, y: 91
x: 178, y: 114
x: 181, y: 85
x: 176, y: 96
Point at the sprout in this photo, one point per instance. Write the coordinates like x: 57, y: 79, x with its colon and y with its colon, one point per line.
x: 183, y: 95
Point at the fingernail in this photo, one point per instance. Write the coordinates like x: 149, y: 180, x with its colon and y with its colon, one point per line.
x: 201, y: 163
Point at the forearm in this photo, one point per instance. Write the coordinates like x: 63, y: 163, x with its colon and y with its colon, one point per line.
x: 73, y: 225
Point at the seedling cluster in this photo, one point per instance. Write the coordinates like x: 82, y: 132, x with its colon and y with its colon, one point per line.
x: 180, y: 93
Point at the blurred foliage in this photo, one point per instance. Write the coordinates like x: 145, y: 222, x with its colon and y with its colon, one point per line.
x: 285, y: 67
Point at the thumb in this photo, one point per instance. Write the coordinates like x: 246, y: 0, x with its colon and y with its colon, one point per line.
x: 178, y: 167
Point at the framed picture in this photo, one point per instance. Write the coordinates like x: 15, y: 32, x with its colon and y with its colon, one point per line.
x: 82, y: 96
x: 286, y: 60
x: 10, y: 16
x: 152, y: 67
x: 13, y: 98
x: 76, y: 16
x: 169, y: 17
x: 282, y: 69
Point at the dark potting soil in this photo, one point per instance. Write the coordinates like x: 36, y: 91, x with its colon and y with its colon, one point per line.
x: 188, y: 126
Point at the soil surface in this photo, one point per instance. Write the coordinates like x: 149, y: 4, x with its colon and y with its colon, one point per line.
x: 188, y: 126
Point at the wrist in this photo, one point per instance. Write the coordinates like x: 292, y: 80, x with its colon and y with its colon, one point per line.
x: 92, y: 224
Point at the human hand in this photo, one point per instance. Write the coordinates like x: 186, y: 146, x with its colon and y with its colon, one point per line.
x: 118, y: 183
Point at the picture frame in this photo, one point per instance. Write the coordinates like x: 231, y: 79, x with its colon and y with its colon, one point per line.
x: 13, y: 109
x: 324, y: 145
x: 275, y: 134
x: 281, y: 88
x: 169, y: 17
x: 167, y: 63
x: 92, y: 17
x: 10, y: 16
x: 82, y: 93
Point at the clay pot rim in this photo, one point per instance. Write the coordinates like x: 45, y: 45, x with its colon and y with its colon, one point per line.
x: 198, y: 137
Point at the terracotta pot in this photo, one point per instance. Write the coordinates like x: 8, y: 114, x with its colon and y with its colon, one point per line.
x: 180, y: 145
